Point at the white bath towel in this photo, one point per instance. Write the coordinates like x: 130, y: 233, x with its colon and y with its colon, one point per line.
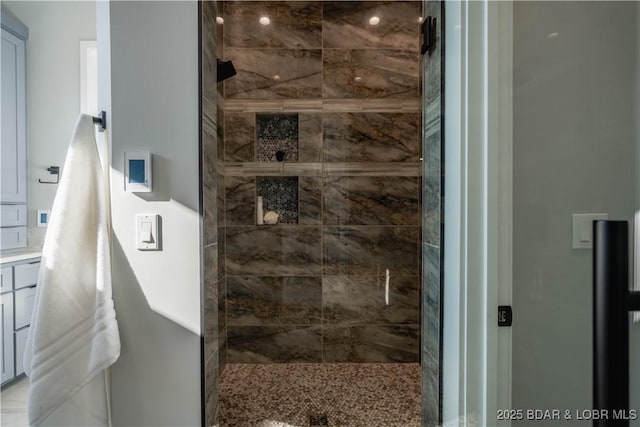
x: 74, y: 334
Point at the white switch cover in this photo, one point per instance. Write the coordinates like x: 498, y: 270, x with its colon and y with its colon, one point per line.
x: 583, y: 229
x: 147, y: 232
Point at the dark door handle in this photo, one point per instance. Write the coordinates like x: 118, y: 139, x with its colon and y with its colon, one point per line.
x: 429, y: 35
x: 612, y: 302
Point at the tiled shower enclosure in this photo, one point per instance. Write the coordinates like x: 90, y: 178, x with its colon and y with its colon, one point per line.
x: 323, y: 122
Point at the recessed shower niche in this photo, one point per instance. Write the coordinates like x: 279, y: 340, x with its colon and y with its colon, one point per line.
x: 280, y: 195
x: 277, y: 137
x: 277, y: 141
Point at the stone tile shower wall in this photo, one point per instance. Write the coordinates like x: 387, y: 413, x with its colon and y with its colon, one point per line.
x: 340, y: 99
x: 210, y: 220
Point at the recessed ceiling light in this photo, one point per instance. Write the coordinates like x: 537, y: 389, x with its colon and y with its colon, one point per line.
x: 358, y: 79
x: 276, y: 77
x: 374, y: 20
x: 264, y: 20
x: 552, y: 35
x: 419, y: 19
x: 220, y: 20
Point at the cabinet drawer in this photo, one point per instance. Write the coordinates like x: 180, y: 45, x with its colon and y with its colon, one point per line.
x: 6, y: 279
x: 13, y: 237
x: 24, y: 301
x: 21, y: 343
x: 26, y: 274
x: 13, y: 215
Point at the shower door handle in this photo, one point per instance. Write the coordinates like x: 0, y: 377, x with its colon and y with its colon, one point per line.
x: 612, y: 302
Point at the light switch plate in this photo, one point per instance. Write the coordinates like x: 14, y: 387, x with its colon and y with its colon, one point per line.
x: 583, y: 229
x: 148, y: 232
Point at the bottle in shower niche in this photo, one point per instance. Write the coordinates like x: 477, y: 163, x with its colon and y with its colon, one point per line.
x: 259, y: 211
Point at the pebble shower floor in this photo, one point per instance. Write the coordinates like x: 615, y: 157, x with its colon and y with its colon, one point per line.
x: 349, y: 394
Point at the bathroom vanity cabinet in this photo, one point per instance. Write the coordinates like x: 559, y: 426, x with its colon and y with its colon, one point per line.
x: 13, y: 158
x: 17, y: 297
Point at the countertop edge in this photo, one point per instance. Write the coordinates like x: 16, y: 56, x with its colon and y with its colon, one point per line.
x: 19, y: 256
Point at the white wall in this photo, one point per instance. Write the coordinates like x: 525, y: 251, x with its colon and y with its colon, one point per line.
x: 154, y: 106
x: 53, y: 89
x: 574, y: 151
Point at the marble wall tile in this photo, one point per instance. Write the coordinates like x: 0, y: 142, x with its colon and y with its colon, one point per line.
x: 210, y: 284
x: 220, y: 131
x: 294, y: 24
x: 310, y: 200
x: 299, y: 73
x: 371, y: 137
x: 345, y: 24
x: 220, y: 195
x: 432, y: 190
x: 222, y: 352
x: 370, y: 344
x: 222, y: 253
x: 222, y: 303
x: 431, y: 298
x: 309, y: 137
x: 431, y: 395
x: 254, y: 168
x: 371, y: 220
x: 371, y: 200
x: 361, y: 300
x: 240, y: 200
x: 372, y: 169
x: 239, y: 137
x: 371, y: 249
x: 209, y: 188
x: 373, y: 105
x: 208, y: 40
x: 274, y: 344
x: 284, y: 300
x: 292, y: 250
x: 219, y: 30
x: 431, y: 301
x: 211, y: 390
x: 383, y: 73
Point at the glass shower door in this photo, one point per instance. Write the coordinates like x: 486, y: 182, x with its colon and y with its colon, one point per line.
x: 575, y: 160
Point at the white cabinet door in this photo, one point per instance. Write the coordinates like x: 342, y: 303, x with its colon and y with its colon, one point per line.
x: 13, y: 153
x: 24, y: 302
x: 21, y: 343
x: 6, y: 279
x: 6, y: 309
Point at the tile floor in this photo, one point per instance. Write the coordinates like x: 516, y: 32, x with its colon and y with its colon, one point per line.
x: 13, y: 412
x: 350, y: 394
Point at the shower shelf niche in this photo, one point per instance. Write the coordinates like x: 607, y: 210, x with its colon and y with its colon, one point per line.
x: 277, y: 137
x: 279, y: 194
